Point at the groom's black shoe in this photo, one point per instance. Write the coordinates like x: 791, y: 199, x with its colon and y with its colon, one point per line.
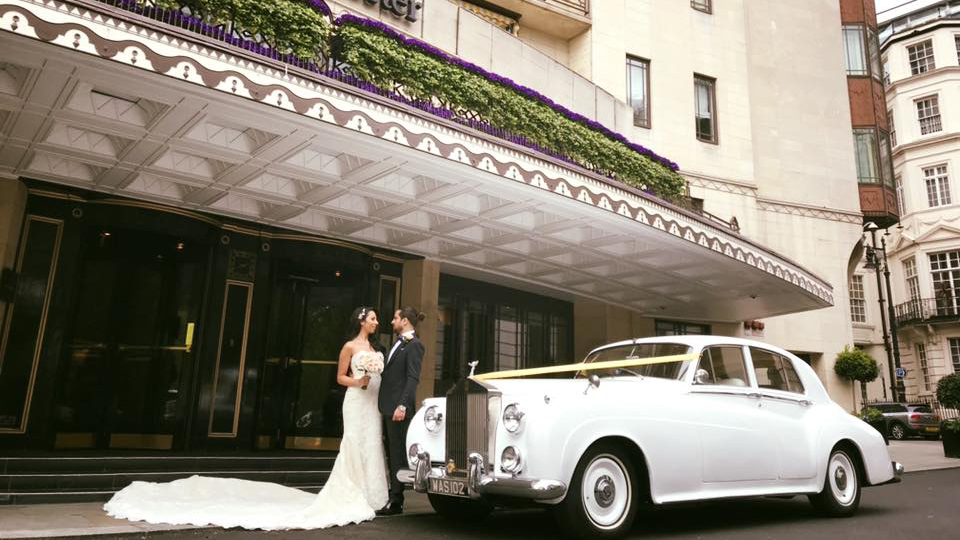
x: 390, y: 510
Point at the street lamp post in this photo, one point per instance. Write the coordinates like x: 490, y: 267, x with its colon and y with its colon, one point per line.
x: 875, y: 263
x: 893, y: 318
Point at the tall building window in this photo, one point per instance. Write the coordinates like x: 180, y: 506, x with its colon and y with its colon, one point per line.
x: 956, y: 40
x: 922, y: 360
x: 928, y: 113
x: 638, y: 90
x: 901, y: 205
x: 945, y: 270
x: 913, y: 281
x: 868, y: 159
x: 955, y: 349
x: 873, y: 52
x: 938, y: 185
x: 705, y: 90
x: 858, y: 304
x: 893, y: 129
x: 886, y: 73
x: 886, y: 164
x: 921, y: 57
x: 855, y: 50
x: 705, y: 6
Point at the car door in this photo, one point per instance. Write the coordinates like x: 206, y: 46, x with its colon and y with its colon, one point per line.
x: 734, y: 444
x: 786, y: 412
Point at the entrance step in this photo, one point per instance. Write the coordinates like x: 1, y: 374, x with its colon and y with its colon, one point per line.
x: 82, y: 478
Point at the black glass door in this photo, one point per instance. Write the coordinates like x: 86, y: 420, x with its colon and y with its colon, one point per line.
x: 300, y: 401
x: 124, y: 378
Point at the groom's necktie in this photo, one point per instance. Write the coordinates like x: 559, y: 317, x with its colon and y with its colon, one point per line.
x: 393, y: 349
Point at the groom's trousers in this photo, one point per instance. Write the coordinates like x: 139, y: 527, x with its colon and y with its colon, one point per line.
x: 396, y: 454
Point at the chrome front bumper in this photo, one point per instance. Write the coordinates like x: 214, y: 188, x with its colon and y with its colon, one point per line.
x: 481, y: 484
x: 897, y: 469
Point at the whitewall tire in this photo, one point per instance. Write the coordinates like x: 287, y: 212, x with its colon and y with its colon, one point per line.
x: 840, y: 496
x: 602, y: 499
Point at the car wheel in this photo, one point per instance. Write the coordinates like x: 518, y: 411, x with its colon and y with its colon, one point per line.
x: 840, y: 496
x: 898, y: 432
x: 455, y: 508
x: 602, y: 499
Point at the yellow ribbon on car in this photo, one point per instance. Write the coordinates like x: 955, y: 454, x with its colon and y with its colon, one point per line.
x: 572, y: 368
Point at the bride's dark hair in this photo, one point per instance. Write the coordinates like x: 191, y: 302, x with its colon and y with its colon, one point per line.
x: 353, y: 326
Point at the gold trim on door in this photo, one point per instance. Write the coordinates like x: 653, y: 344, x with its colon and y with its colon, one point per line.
x: 243, y: 359
x: 312, y: 443
x: 38, y: 345
x: 144, y: 441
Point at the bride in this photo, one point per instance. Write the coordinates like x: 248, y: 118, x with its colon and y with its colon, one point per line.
x: 357, y: 486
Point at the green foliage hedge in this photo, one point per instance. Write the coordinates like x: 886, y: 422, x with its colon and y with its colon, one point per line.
x: 386, y: 63
x: 289, y: 26
x: 948, y: 394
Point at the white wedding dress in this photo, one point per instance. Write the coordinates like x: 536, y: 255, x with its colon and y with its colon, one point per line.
x: 357, y: 486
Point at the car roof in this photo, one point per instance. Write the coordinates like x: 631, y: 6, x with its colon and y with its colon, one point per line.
x: 698, y: 342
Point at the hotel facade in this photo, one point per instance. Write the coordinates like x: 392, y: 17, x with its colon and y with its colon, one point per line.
x: 187, y: 218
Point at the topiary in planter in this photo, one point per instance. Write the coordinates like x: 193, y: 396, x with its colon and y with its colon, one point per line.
x: 856, y: 365
x: 948, y: 394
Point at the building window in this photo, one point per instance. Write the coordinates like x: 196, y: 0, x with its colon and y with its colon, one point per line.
x: 705, y: 6
x: 922, y: 360
x: 873, y: 51
x: 893, y: 129
x: 901, y: 206
x: 913, y: 281
x: 855, y: 50
x: 955, y: 353
x: 868, y: 159
x: 886, y: 73
x: 945, y: 270
x: 938, y: 185
x: 674, y: 328
x: 706, y: 105
x: 886, y: 164
x: 858, y: 304
x: 928, y: 113
x: 956, y: 40
x: 921, y: 57
x: 638, y: 90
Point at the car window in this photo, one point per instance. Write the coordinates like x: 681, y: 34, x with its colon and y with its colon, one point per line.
x: 774, y: 371
x: 724, y: 365
x: 923, y: 409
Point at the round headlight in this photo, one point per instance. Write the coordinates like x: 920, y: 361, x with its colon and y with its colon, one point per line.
x: 413, y: 454
x: 512, y: 416
x: 510, y: 460
x: 432, y: 418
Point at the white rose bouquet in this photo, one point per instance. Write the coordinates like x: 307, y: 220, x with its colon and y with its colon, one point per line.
x: 368, y: 363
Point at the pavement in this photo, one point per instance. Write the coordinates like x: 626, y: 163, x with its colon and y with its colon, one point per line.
x: 89, y: 520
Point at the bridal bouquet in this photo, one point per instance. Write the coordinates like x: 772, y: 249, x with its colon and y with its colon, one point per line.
x: 368, y: 363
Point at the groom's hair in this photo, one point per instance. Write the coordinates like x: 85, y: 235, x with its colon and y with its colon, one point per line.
x: 411, y: 315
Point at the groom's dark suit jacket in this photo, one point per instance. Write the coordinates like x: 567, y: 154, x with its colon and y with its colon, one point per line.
x: 398, y: 383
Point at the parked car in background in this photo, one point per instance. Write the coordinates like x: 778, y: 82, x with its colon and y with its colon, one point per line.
x: 646, y: 421
x: 909, y: 420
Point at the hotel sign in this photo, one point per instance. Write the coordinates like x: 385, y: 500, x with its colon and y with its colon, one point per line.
x: 408, y: 9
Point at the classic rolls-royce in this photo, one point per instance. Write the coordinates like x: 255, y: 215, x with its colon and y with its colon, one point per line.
x: 645, y: 421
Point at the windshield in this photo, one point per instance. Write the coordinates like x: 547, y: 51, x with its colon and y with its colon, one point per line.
x: 636, y: 351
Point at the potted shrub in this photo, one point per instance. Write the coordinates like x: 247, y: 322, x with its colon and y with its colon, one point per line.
x: 875, y: 418
x: 856, y: 365
x: 948, y: 394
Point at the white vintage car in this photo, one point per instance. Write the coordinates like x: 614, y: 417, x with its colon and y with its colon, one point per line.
x: 655, y: 420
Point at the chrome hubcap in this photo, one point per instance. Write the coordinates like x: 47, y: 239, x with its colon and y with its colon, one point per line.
x: 842, y: 477
x: 606, y: 492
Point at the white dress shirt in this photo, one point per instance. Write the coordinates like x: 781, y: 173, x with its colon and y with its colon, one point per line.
x: 408, y: 335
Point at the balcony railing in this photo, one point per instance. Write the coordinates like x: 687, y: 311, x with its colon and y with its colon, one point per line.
x: 928, y: 310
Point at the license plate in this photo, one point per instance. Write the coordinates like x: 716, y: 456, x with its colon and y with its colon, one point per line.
x: 933, y: 429
x: 448, y: 486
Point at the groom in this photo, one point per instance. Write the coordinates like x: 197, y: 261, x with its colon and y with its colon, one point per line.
x: 398, y: 393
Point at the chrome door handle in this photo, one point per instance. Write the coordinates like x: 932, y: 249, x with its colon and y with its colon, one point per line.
x: 754, y: 395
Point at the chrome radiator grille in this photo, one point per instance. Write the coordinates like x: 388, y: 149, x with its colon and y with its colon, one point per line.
x: 468, y: 423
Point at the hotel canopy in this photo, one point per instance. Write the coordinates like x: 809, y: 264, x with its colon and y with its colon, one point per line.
x: 103, y: 96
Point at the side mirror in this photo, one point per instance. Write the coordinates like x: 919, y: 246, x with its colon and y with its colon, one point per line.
x: 702, y: 376
x: 594, y: 382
